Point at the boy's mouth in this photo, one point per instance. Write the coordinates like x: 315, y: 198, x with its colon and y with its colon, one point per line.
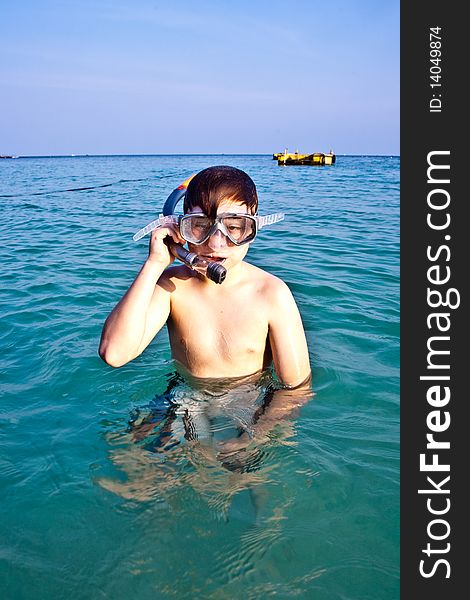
x: 219, y: 259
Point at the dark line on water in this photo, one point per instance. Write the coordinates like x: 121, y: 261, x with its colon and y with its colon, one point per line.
x: 80, y: 189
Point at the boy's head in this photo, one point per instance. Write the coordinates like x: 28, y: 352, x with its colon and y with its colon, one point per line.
x: 215, y: 185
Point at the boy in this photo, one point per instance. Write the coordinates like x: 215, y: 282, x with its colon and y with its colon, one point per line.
x: 232, y: 329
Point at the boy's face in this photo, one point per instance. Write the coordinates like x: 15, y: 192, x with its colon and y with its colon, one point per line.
x: 218, y: 247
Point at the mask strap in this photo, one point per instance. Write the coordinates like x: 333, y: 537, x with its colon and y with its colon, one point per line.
x: 161, y: 221
x: 269, y: 219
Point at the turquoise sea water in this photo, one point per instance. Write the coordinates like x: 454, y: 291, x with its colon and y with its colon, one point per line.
x: 90, y: 512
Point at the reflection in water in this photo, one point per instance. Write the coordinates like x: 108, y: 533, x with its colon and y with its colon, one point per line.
x: 214, y: 436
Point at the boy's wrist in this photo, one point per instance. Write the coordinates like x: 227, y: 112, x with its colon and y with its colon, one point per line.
x: 155, y: 266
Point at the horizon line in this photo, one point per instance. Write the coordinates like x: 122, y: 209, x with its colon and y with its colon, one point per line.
x: 85, y: 155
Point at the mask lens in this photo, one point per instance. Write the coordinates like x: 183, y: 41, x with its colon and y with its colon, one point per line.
x: 240, y: 228
x: 195, y: 228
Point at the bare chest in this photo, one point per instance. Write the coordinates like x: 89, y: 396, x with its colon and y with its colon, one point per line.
x: 227, y: 331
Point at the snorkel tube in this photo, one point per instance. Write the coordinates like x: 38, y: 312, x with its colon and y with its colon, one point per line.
x: 176, y: 195
x: 210, y: 269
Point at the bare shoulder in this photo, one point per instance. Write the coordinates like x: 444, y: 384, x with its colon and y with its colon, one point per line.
x: 274, y: 289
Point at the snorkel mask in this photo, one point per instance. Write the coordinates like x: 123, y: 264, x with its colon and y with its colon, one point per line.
x: 197, y: 228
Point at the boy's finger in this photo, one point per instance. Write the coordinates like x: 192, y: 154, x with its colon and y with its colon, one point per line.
x: 175, y: 237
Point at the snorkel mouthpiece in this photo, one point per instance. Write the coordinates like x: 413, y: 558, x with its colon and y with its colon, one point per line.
x: 212, y: 270
x: 216, y: 272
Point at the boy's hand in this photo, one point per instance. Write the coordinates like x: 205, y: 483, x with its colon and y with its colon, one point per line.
x: 158, y: 250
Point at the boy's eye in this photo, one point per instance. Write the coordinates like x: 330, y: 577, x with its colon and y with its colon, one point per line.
x: 201, y: 222
x: 235, y: 227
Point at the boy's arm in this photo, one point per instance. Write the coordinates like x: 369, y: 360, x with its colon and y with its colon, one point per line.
x: 144, y: 308
x: 287, y: 338
x: 292, y: 366
x: 136, y: 319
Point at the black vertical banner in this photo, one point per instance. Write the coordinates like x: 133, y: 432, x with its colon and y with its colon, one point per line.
x: 434, y: 432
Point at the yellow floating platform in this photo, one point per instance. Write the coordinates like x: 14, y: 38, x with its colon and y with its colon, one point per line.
x: 318, y: 158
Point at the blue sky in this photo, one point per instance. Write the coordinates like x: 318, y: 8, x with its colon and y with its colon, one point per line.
x: 143, y: 77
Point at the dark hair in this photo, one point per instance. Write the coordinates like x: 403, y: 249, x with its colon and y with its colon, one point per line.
x: 211, y: 186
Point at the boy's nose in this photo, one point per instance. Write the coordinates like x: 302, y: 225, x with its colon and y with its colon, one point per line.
x: 217, y: 240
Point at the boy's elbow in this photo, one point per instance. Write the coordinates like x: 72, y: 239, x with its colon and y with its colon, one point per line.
x: 113, y: 359
x: 300, y: 380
